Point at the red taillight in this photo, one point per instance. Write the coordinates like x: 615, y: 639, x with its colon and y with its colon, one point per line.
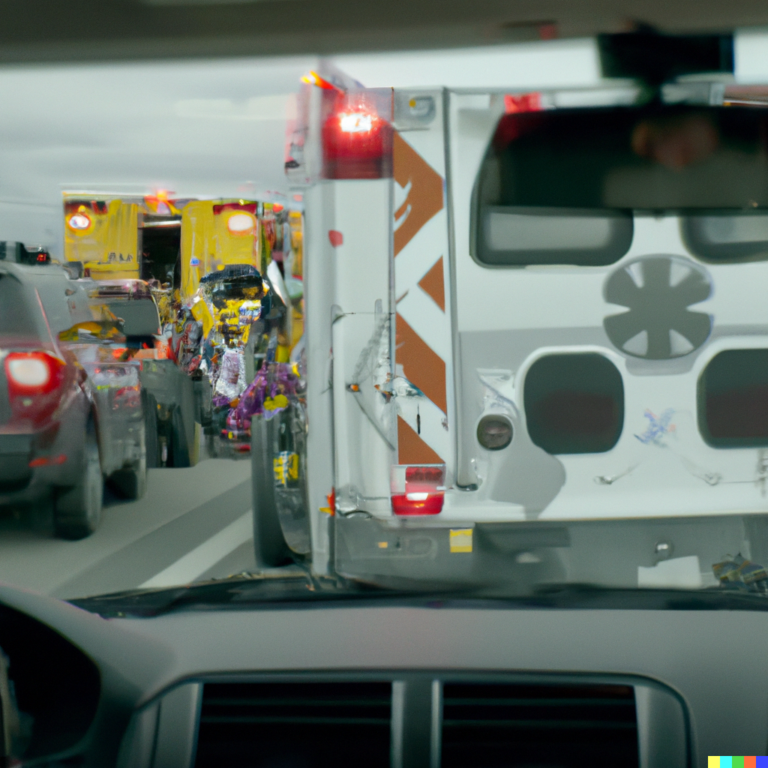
x: 357, y: 135
x: 34, y: 383
x: 418, y: 490
x: 33, y: 373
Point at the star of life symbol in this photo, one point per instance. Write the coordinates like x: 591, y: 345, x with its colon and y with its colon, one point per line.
x: 659, y: 427
x: 657, y: 293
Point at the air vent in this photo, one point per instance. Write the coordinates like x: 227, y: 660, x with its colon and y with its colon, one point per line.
x: 295, y: 724
x: 545, y: 726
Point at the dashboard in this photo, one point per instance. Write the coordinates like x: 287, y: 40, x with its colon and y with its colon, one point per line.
x: 337, y: 683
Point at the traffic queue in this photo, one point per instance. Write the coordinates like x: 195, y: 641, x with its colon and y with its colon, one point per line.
x: 122, y: 355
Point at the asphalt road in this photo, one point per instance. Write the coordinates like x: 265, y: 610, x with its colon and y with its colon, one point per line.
x: 192, y: 524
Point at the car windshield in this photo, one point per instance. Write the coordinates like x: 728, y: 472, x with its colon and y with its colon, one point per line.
x: 439, y: 321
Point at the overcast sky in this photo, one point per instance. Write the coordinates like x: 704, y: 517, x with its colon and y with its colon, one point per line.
x: 202, y: 127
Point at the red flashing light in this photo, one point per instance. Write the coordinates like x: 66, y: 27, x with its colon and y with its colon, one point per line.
x: 522, y: 102
x: 418, y: 490
x: 357, y: 136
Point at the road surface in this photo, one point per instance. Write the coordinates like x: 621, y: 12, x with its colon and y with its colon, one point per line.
x: 192, y: 524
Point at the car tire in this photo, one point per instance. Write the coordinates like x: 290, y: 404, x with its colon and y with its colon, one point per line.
x: 152, y: 437
x: 181, y: 452
x: 78, y: 510
x: 280, y: 517
x: 130, y: 483
x: 178, y: 448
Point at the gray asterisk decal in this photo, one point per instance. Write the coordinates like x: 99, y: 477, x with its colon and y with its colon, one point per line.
x: 657, y: 292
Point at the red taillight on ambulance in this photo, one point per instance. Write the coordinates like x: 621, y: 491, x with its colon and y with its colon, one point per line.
x: 357, y: 134
x: 418, y: 490
x: 34, y: 383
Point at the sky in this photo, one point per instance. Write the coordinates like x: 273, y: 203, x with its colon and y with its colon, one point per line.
x: 212, y: 128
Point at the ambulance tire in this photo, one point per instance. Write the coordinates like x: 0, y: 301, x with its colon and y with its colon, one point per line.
x: 270, y: 547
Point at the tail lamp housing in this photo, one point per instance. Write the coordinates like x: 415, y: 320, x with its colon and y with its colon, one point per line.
x: 35, y: 380
x: 418, y: 490
x: 357, y: 134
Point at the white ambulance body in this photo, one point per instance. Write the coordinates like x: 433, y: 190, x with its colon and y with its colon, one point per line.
x: 480, y: 398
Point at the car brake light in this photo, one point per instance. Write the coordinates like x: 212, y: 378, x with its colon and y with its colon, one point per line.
x: 34, y: 383
x: 357, y: 134
x: 418, y: 490
x: 33, y: 373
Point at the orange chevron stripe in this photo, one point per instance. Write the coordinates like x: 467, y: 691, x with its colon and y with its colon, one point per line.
x: 411, y: 449
x: 426, y: 194
x: 421, y: 365
x: 432, y: 284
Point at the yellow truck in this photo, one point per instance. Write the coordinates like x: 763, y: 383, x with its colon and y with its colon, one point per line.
x: 178, y: 241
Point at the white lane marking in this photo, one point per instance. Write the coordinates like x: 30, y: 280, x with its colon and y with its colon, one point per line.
x: 197, y: 561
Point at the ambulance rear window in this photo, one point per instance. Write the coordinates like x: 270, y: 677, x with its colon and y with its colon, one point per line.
x: 562, y: 186
x: 574, y: 403
x: 733, y: 399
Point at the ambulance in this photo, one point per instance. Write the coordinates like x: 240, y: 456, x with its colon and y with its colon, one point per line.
x: 536, y: 332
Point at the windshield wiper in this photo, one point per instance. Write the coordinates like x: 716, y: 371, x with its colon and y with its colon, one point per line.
x: 251, y: 591
x: 240, y: 590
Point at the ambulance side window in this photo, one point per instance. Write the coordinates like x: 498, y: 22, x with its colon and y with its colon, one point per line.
x: 574, y: 403
x: 733, y: 399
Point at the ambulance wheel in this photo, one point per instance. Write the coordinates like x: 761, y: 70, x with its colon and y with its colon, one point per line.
x: 280, y: 517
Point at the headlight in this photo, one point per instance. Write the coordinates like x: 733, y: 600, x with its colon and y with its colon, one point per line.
x: 494, y: 432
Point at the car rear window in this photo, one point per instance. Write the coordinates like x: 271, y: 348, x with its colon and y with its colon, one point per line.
x: 574, y: 403
x: 561, y: 186
x: 733, y: 399
x: 140, y: 315
x: 64, y: 301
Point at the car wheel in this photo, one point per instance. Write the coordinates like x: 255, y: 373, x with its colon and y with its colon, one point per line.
x: 280, y: 510
x: 179, y: 454
x: 77, y: 512
x: 152, y: 439
x: 131, y: 483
